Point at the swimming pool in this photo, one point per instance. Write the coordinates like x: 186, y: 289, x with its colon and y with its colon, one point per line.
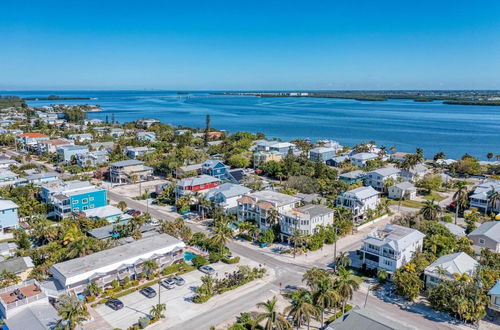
x: 188, y: 256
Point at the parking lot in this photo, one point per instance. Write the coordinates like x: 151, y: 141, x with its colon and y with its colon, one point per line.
x: 177, y: 300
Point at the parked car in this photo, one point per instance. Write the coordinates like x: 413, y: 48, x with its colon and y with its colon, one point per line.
x: 207, y: 270
x: 148, y: 292
x: 129, y: 212
x: 178, y: 280
x: 115, y: 304
x: 168, y: 283
x: 136, y: 214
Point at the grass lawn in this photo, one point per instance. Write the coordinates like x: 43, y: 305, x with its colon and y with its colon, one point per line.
x: 407, y: 203
x: 433, y: 195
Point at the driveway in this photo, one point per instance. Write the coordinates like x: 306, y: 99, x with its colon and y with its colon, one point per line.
x: 178, y: 300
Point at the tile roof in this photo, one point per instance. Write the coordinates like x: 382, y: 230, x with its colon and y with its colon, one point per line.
x: 32, y: 135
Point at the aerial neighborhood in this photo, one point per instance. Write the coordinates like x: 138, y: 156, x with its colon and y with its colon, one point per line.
x: 108, y: 225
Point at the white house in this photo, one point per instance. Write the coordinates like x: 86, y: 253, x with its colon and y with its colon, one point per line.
x: 305, y: 219
x: 403, y: 189
x: 378, y: 177
x: 259, y: 205
x: 81, y: 137
x: 359, y: 200
x: 361, y: 158
x: 480, y: 199
x: 414, y: 174
x: 226, y: 196
x: 449, y: 265
x: 391, y: 247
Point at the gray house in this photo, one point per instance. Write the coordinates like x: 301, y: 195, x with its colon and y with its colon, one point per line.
x: 486, y: 236
x: 449, y: 265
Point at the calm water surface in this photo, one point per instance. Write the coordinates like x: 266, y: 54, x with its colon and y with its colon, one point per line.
x: 405, y: 124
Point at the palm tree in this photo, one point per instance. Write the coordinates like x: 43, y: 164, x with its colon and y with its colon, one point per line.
x: 221, y: 234
x: 150, y: 266
x: 430, y: 210
x: 122, y: 206
x: 346, y: 285
x: 157, y: 311
x: 274, y: 319
x: 343, y: 260
x: 72, y: 311
x: 493, y: 199
x: 72, y: 234
x: 460, y: 197
x: 273, y: 217
x: 298, y: 239
x: 92, y: 288
x: 382, y: 275
x: 313, y: 276
x: 325, y: 297
x: 301, y: 308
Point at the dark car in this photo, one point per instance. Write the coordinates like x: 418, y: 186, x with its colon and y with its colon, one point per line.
x: 148, y: 292
x: 130, y: 212
x: 115, y: 304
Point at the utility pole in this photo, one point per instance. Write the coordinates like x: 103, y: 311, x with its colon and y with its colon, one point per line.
x: 335, y: 244
x: 147, y: 200
x: 367, y: 292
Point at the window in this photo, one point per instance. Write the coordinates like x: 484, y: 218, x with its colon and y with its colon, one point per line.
x: 85, y: 201
x: 84, y: 208
x: 387, y: 262
x: 75, y: 202
x: 481, y: 241
x: 76, y: 209
x: 91, y: 199
x: 497, y: 301
x: 91, y: 206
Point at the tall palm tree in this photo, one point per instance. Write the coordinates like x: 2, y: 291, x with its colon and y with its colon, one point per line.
x: 72, y: 311
x: 150, y: 266
x: 326, y: 296
x: 273, y: 217
x: 460, y: 197
x: 346, y: 285
x: 430, y: 210
x: 343, y: 260
x: 301, y: 308
x: 493, y: 199
x: 122, y: 205
x: 157, y: 310
x: 313, y: 276
x: 274, y: 319
x: 221, y: 234
x: 298, y: 239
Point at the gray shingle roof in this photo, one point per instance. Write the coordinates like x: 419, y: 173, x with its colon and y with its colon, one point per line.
x: 36, y: 317
x: 128, y: 162
x: 16, y: 265
x: 365, y: 319
x: 453, y: 263
x: 489, y: 229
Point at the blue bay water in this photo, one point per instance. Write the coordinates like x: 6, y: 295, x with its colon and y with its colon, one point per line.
x: 404, y: 124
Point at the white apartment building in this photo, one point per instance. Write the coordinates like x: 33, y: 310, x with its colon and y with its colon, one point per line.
x: 378, y: 177
x: 305, y: 219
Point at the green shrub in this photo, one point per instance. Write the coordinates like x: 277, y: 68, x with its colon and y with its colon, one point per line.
x: 316, y: 242
x: 199, y: 261
x: 447, y: 218
x: 115, y: 284
x: 89, y: 299
x: 214, y: 257
x: 201, y: 298
x: 338, y: 314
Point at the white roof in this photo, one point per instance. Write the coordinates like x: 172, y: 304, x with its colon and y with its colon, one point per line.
x: 103, y: 212
x: 273, y: 197
x: 386, y: 171
x: 405, y: 185
x: 459, y: 263
x: 361, y: 193
x: 6, y: 204
x: 395, y: 236
x: 364, y: 156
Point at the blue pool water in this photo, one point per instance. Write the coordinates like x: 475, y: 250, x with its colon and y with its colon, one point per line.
x: 188, y: 256
x: 404, y: 124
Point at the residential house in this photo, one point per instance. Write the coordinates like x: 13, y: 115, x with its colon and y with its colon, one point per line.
x: 188, y: 170
x: 39, y: 178
x: 361, y: 158
x: 322, y: 154
x: 69, y: 197
x: 449, y: 265
x: 486, y: 236
x: 198, y: 184
x: 7, y: 249
x: 336, y: 161
x: 359, y: 201
x: 81, y: 137
x: 305, y: 219
x: 215, y: 168
x: 277, y: 146
x: 399, y: 156
x: 377, y: 178
x: 262, y: 157
x: 456, y: 230
x: 128, y: 171
x: 366, y: 319
x: 352, y: 177
x: 135, y: 152
x: 116, y: 132
x: 146, y: 122
x: 109, y: 232
x: 99, y: 146
x: 50, y: 146
x: 494, y: 294
x: 117, y: 263
x: 30, y: 140
x: 226, y: 196
x: 107, y: 212
x: 147, y: 136
x: 329, y: 144
x: 67, y: 153
x: 390, y: 247
x: 414, y: 174
x: 9, y: 218
x: 404, y: 189
x: 258, y: 206
x: 26, y: 306
x: 480, y: 198
x: 92, y: 158
x: 6, y: 162
x: 20, y: 266
x: 8, y: 177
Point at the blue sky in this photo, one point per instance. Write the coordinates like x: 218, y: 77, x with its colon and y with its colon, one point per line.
x: 238, y: 45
